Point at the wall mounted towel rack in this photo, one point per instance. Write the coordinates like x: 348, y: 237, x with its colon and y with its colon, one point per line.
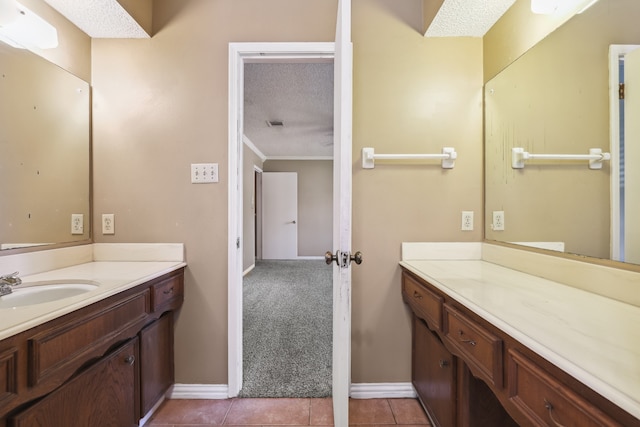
x: 448, y: 157
x: 595, y: 157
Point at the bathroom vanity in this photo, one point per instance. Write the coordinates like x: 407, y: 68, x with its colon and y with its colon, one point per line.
x: 97, y: 359
x: 494, y: 346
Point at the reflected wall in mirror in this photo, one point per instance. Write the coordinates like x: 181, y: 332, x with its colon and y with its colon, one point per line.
x: 555, y: 100
x: 44, y: 151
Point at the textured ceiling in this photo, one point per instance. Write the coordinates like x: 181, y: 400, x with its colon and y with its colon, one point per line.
x: 467, y: 18
x: 100, y: 18
x: 301, y: 96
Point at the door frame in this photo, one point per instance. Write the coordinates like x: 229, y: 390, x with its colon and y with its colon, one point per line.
x: 239, y: 54
x: 616, y: 51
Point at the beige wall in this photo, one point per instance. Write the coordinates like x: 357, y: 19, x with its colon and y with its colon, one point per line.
x: 315, y: 203
x: 161, y: 104
x: 411, y: 95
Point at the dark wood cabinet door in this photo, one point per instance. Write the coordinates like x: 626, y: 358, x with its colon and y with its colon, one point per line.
x: 434, y: 375
x: 156, y: 361
x: 103, y: 395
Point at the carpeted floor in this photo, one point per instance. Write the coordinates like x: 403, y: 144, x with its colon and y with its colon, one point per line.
x: 287, y: 324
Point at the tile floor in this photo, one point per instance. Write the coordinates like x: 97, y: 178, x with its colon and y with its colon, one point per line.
x: 286, y: 412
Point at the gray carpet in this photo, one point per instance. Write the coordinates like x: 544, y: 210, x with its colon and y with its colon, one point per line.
x: 287, y: 324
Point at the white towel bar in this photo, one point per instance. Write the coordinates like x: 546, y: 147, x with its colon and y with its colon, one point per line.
x: 448, y: 157
x: 595, y: 157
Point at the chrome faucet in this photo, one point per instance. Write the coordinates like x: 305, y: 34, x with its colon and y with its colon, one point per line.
x: 7, y: 282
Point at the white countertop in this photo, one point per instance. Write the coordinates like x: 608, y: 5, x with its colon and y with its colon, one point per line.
x: 112, y: 274
x: 593, y: 338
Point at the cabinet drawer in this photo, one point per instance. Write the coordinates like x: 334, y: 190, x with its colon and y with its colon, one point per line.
x: 547, y: 402
x: 66, y: 347
x: 166, y: 291
x: 425, y: 304
x: 480, y: 349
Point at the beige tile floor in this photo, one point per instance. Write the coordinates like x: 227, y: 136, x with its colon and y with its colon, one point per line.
x: 286, y: 412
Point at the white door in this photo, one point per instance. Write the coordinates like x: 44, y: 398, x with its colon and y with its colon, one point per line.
x: 632, y: 156
x: 279, y: 215
x: 342, y: 116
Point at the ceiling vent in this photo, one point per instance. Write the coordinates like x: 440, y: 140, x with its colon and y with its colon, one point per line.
x: 275, y: 123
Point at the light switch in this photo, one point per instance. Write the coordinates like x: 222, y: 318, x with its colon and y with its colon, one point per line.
x: 204, y: 173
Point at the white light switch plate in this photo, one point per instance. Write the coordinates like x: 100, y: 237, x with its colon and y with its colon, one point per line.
x: 204, y: 173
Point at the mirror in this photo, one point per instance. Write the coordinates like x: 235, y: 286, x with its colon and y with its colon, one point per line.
x: 44, y: 152
x: 554, y: 99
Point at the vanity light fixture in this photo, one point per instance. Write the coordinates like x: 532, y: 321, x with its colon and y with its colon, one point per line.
x: 544, y: 7
x: 24, y: 29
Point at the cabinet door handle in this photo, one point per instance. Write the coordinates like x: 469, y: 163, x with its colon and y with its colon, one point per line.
x: 550, y: 408
x: 130, y: 360
x: 466, y: 341
x: 417, y: 295
x: 168, y: 291
x: 444, y: 363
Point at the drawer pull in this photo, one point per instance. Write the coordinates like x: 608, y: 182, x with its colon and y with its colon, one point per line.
x: 444, y: 363
x: 549, y: 407
x: 469, y: 341
x: 168, y: 291
x: 130, y: 360
x: 416, y: 295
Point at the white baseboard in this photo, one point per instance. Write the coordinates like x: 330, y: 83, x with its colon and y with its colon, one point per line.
x: 382, y: 390
x: 199, y: 391
x: 358, y: 391
x: 248, y: 270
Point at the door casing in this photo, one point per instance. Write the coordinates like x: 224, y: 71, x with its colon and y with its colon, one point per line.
x: 239, y: 54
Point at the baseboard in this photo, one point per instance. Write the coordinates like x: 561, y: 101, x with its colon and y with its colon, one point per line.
x: 357, y: 391
x: 248, y: 270
x: 199, y: 391
x: 382, y: 390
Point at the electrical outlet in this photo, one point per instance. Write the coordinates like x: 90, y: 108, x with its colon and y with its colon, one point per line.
x: 204, y: 173
x: 498, y: 221
x: 77, y: 224
x: 467, y: 221
x: 108, y: 224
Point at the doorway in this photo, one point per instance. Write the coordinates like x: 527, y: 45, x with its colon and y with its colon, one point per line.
x: 240, y: 54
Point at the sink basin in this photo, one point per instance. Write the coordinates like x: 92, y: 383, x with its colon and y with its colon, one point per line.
x: 41, y: 292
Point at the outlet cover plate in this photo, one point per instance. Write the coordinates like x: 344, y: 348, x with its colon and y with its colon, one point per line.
x: 108, y: 224
x: 467, y: 221
x: 77, y: 224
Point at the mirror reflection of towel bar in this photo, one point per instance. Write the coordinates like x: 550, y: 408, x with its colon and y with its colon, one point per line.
x: 595, y: 157
x: 448, y: 157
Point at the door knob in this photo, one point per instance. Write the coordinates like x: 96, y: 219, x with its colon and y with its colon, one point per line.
x: 329, y: 257
x: 343, y: 259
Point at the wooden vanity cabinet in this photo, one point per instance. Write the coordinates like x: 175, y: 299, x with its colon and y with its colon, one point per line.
x: 434, y: 375
x: 121, y: 346
x: 94, y: 398
x: 156, y: 356
x: 493, y: 380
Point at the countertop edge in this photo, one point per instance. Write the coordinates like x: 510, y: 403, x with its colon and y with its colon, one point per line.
x: 79, y: 303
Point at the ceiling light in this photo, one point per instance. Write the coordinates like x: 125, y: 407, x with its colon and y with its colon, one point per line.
x: 22, y: 28
x: 544, y: 7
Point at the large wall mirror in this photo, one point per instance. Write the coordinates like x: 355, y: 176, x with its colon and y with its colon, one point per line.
x: 555, y: 99
x: 44, y: 152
